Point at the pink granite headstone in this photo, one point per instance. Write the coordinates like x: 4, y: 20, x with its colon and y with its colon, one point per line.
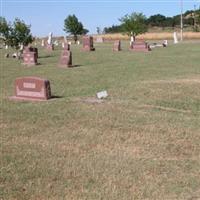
x: 32, y: 88
x: 29, y: 57
x: 28, y: 49
x: 88, y: 43
x: 65, y: 59
x: 117, y: 45
x: 140, y: 45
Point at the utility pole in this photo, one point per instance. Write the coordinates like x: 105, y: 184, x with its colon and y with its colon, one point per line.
x: 194, y: 16
x: 181, y: 20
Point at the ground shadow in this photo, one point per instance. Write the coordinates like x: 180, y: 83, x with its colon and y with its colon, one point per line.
x: 76, y: 66
x: 56, y: 97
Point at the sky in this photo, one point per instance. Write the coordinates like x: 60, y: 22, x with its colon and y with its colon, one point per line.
x: 46, y: 16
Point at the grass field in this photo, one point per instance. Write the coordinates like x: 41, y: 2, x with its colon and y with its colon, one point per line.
x: 142, y: 142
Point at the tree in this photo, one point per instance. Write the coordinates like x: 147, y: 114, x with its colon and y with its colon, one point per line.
x: 113, y: 29
x: 73, y: 26
x: 20, y: 34
x: 98, y: 30
x: 16, y: 34
x: 134, y: 24
x: 157, y: 20
x: 5, y: 29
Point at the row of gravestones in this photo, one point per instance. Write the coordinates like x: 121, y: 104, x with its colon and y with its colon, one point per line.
x: 37, y: 89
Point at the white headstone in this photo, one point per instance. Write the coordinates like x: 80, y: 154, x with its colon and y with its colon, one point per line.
x: 6, y: 47
x: 42, y: 44
x: 132, y: 39
x: 49, y: 41
x: 63, y: 45
x: 21, y: 47
x: 69, y: 43
x: 78, y: 42
x: 56, y: 43
x: 102, y: 94
x: 175, y: 38
x: 65, y: 39
x: 165, y: 42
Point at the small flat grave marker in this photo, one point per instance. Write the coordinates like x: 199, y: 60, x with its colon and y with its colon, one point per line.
x: 102, y: 94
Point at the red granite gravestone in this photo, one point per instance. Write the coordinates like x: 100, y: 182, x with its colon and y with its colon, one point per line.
x: 117, y: 45
x: 32, y: 88
x: 140, y: 45
x: 29, y: 58
x: 31, y: 49
x: 88, y: 43
x: 65, y: 59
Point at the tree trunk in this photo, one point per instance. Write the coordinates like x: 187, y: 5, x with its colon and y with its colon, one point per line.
x: 75, y: 38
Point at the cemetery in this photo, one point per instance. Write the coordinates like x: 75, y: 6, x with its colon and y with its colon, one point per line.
x: 96, y: 118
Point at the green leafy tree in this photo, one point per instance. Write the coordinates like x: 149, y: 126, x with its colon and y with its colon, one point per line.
x: 20, y: 34
x: 74, y: 27
x: 134, y: 24
x: 113, y: 29
x: 16, y: 34
x: 5, y: 29
x: 98, y: 30
x: 157, y: 20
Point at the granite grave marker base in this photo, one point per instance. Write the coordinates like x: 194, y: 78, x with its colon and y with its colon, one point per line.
x: 117, y: 45
x: 140, y: 46
x: 65, y: 59
x: 31, y: 89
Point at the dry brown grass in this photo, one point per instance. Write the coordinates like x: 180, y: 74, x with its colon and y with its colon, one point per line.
x: 149, y: 36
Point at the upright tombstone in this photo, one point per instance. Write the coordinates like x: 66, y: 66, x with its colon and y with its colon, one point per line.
x: 30, y: 56
x: 32, y: 88
x: 49, y: 45
x: 65, y: 59
x: 88, y: 43
x: 42, y: 43
x: 117, y: 45
x: 28, y: 49
x: 140, y: 45
x: 175, y: 38
x: 63, y: 45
